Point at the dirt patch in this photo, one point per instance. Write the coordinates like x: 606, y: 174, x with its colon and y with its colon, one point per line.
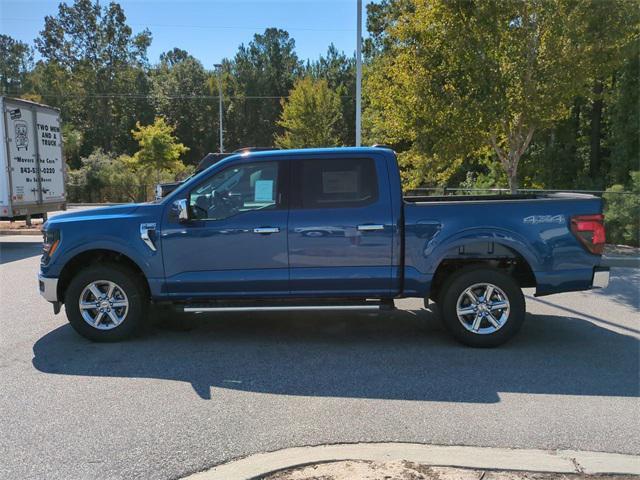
x: 403, y: 470
x: 367, y: 470
x: 36, y: 224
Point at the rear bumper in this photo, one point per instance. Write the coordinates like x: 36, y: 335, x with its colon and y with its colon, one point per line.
x: 600, y: 277
x: 48, y: 288
x: 576, y: 280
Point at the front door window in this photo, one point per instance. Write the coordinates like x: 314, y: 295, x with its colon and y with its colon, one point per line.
x: 240, y: 188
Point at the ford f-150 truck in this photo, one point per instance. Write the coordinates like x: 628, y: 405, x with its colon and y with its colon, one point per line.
x: 319, y: 229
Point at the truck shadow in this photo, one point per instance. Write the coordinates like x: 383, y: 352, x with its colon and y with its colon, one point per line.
x: 624, y: 287
x: 14, y: 251
x: 403, y: 355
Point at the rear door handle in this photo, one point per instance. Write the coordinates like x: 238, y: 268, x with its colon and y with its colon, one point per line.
x: 266, y: 230
x: 370, y: 228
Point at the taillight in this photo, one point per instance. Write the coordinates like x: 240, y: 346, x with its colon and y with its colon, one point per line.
x: 589, y: 229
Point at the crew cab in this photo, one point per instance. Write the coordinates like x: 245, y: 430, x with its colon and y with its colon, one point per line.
x: 319, y: 229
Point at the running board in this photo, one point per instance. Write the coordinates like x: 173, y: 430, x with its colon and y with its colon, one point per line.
x: 282, y: 308
x: 288, y: 306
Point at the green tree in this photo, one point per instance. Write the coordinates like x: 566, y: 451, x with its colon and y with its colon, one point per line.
x: 456, y: 76
x: 94, y: 173
x: 16, y: 59
x: 72, y: 141
x: 340, y: 73
x: 258, y: 76
x: 624, y: 139
x: 101, y: 63
x: 180, y: 93
x: 622, y: 212
x: 381, y: 17
x: 106, y: 177
x: 607, y: 29
x: 159, y: 149
x: 311, y: 117
x: 52, y: 84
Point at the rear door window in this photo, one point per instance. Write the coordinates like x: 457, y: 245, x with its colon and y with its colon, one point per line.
x: 335, y: 183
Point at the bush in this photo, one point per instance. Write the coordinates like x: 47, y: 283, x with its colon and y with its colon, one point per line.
x: 105, y: 177
x: 622, y: 213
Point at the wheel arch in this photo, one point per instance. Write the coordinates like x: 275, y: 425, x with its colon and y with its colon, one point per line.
x: 95, y: 256
x: 493, y: 254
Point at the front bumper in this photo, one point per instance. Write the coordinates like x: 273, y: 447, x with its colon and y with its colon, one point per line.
x: 48, y: 288
x: 600, y: 277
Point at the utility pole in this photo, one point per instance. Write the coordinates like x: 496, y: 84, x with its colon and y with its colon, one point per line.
x: 219, y: 76
x: 359, y: 76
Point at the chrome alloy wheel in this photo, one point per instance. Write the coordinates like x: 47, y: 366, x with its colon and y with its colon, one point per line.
x: 103, y: 304
x: 483, y: 308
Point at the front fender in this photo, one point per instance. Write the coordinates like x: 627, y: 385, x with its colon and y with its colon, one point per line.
x: 142, y: 261
x: 149, y: 262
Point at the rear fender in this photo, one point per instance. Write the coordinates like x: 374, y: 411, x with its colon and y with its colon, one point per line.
x: 435, y: 254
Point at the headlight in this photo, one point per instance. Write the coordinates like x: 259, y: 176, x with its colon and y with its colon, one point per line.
x: 51, y: 241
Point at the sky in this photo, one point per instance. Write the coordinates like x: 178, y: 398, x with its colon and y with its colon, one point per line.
x: 211, y: 29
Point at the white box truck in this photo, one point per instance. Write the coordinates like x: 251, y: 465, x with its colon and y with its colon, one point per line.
x: 32, y: 168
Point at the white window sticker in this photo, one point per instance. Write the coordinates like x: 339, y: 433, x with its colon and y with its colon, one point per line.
x: 264, y: 191
x: 340, y: 182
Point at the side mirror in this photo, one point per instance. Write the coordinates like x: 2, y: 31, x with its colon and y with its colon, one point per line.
x: 181, y: 207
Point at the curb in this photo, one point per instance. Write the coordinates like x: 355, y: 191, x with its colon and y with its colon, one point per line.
x: 96, y: 204
x: 24, y: 231
x: 21, y: 239
x: 550, y: 461
x: 621, y: 261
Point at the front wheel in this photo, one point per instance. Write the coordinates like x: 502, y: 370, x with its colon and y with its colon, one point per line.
x: 106, y: 303
x: 482, y: 307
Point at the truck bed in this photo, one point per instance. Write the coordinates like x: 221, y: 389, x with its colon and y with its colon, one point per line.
x: 534, y: 227
x: 496, y: 197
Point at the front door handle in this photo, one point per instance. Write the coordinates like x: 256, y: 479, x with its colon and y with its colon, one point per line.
x: 266, y: 230
x: 370, y: 228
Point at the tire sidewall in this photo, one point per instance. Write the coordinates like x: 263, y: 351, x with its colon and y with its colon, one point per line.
x: 459, y: 282
x: 126, y: 280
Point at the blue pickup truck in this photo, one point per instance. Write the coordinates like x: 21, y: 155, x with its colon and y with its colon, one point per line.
x: 319, y: 229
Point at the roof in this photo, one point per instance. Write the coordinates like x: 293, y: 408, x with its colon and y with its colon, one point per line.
x: 261, y: 152
x: 211, y: 159
x: 219, y: 159
x: 342, y: 151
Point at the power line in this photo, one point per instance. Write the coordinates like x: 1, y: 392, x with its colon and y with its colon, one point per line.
x: 170, y: 97
x: 212, y: 27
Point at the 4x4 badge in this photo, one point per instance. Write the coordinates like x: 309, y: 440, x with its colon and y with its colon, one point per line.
x: 537, y: 219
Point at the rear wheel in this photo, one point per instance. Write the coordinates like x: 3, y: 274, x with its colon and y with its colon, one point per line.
x: 482, y: 307
x: 106, y: 303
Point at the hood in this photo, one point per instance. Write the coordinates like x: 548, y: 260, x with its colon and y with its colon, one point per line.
x: 93, y: 214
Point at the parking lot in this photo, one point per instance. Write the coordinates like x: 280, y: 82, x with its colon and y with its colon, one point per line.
x: 200, y: 390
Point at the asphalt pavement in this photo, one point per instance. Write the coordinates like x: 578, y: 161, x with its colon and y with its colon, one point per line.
x: 208, y: 388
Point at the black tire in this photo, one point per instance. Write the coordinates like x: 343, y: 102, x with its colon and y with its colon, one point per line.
x: 127, y: 280
x: 458, y: 283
